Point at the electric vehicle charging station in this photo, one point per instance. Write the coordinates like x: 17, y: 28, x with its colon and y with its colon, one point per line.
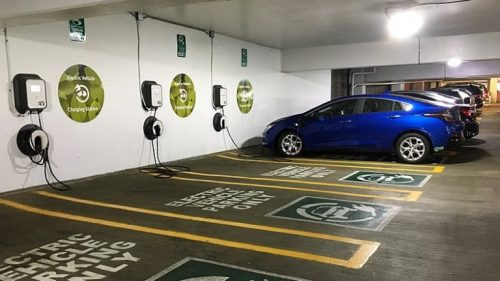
x: 30, y: 97
x: 152, y: 99
x: 219, y: 100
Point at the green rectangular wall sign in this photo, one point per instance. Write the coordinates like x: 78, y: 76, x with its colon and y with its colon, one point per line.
x: 398, y: 179
x: 244, y: 57
x: 77, y: 30
x: 181, y: 46
x: 203, y: 270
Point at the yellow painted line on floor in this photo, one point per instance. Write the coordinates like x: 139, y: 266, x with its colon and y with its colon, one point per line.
x: 367, y: 162
x: 345, y: 164
x: 329, y: 184
x: 208, y: 220
x: 326, y: 184
x: 351, y: 263
x: 411, y: 196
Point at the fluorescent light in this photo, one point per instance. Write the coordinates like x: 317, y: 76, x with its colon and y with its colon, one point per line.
x: 404, y: 24
x: 454, y: 62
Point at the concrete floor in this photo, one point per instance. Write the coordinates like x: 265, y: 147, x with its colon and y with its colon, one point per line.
x: 133, y: 226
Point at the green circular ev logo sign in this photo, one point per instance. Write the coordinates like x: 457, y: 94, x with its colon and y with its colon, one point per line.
x: 81, y: 94
x: 244, y: 96
x: 182, y: 95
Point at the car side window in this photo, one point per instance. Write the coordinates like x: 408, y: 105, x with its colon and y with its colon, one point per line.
x: 345, y: 107
x: 377, y: 105
x: 397, y: 106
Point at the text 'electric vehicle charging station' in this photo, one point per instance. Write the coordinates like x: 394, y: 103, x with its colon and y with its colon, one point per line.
x: 30, y: 97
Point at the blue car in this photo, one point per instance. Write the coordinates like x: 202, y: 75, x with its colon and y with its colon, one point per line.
x: 410, y: 127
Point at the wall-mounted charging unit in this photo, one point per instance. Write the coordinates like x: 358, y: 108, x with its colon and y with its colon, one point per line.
x: 219, y: 96
x: 29, y: 93
x: 30, y: 98
x: 153, y: 128
x: 219, y: 100
x: 151, y: 95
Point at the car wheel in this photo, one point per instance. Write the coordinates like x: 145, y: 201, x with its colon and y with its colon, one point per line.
x: 290, y: 144
x: 413, y: 148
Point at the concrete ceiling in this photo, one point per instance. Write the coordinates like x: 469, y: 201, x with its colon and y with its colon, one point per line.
x: 281, y: 24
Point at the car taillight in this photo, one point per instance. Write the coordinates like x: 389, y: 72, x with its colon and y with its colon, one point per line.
x: 466, y: 111
x: 445, y: 115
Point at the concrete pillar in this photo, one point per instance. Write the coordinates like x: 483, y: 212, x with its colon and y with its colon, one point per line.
x: 340, y: 83
x: 493, y: 87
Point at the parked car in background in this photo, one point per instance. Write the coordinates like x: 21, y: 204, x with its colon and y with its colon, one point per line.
x: 486, y: 93
x: 474, y: 90
x: 409, y: 127
x: 464, y: 95
x: 430, y: 95
x: 467, y: 111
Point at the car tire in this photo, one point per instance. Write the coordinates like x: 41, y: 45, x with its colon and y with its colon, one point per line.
x: 413, y: 148
x: 290, y: 144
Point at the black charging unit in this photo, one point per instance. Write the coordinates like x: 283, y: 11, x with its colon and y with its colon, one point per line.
x: 152, y: 99
x: 219, y: 100
x: 30, y: 98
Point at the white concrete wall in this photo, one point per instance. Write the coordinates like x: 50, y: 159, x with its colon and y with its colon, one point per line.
x: 114, y: 140
x: 482, y: 46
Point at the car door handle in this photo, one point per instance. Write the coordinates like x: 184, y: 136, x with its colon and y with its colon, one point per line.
x: 345, y: 121
x: 394, y: 116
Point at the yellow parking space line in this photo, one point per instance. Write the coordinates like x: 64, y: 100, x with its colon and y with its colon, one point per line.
x: 327, y: 184
x: 397, y: 167
x: 207, y: 220
x: 438, y: 169
x: 356, y: 263
x: 367, y: 162
x: 362, y: 255
x: 411, y: 195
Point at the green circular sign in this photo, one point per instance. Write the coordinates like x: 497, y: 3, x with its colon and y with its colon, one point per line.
x: 244, y: 96
x: 182, y: 95
x: 81, y: 94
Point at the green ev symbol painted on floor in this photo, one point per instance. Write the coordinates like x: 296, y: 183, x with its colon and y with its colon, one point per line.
x: 191, y: 269
x: 387, y: 178
x: 337, y: 212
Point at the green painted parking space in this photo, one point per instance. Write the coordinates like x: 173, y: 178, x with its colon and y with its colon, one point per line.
x: 396, y: 179
x: 346, y: 213
x: 191, y: 269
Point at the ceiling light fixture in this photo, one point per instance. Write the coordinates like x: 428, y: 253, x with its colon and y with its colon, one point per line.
x: 405, y: 23
x: 454, y: 62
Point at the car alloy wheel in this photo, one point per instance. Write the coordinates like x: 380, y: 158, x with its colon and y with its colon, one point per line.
x: 413, y: 148
x: 290, y: 144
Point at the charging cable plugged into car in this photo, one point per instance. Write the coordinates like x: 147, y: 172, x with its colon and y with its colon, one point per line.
x: 30, y: 97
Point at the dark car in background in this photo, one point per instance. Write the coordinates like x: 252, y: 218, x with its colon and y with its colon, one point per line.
x: 475, y: 90
x: 409, y: 127
x: 467, y: 111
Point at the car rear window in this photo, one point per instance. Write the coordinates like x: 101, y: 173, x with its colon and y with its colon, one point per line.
x: 377, y: 105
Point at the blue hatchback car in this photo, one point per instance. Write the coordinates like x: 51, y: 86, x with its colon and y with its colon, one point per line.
x: 410, y: 127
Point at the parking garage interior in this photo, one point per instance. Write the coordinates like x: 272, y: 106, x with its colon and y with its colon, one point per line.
x: 134, y: 142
